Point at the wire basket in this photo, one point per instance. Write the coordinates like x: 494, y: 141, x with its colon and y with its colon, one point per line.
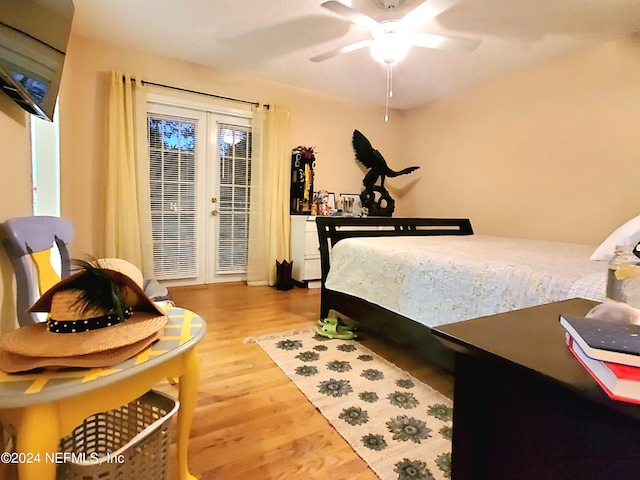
x: 127, y: 443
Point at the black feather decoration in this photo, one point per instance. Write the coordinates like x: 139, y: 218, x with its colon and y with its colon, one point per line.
x: 98, y: 288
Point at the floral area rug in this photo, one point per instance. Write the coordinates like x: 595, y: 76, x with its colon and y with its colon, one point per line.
x: 400, y: 426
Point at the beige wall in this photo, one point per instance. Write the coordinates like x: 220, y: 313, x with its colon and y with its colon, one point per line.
x: 550, y: 153
x: 323, y: 122
x: 316, y: 120
x: 15, y: 194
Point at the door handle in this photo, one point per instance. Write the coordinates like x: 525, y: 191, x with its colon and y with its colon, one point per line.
x: 214, y: 212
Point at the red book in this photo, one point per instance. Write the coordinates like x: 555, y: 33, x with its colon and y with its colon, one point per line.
x: 620, y: 382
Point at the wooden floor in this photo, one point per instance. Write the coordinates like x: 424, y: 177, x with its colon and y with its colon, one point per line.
x: 251, y: 421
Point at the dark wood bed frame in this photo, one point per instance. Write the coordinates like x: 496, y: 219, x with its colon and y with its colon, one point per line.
x: 395, y: 327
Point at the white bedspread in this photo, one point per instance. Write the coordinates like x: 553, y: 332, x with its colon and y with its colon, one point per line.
x: 438, y: 280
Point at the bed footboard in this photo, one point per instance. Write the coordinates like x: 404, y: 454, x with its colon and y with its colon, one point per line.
x: 396, y: 327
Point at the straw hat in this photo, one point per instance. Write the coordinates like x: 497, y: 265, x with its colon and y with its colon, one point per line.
x: 97, y: 317
x: 14, y: 362
x: 123, y: 266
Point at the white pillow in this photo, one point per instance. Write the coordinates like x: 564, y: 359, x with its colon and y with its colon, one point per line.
x: 627, y: 234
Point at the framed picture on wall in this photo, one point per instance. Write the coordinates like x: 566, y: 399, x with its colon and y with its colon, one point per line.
x: 351, y: 204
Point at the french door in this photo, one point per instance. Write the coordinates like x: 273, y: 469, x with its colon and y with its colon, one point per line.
x: 199, y: 179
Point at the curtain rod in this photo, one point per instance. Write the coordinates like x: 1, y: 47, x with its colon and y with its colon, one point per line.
x: 221, y: 97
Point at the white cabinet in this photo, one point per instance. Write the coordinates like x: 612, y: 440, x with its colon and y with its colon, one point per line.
x: 305, y: 250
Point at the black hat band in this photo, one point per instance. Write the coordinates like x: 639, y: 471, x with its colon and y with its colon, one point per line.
x: 85, y: 325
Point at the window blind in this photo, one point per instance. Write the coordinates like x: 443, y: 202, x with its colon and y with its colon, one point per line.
x: 173, y: 174
x: 234, y: 198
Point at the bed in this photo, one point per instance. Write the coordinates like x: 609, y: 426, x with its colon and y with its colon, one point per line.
x: 400, y: 277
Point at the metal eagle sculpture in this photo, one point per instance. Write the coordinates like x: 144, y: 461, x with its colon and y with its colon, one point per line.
x: 375, y: 198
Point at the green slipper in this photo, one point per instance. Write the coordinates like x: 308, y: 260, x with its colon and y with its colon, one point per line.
x: 335, y: 331
x: 336, y: 321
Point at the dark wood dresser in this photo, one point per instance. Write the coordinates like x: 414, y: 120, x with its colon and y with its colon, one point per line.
x: 525, y: 408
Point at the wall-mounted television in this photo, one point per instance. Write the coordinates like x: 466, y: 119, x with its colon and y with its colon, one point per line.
x: 33, y: 42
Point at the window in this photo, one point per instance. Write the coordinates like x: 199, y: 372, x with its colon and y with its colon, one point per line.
x: 172, y: 182
x: 199, y: 183
x: 235, y: 194
x: 45, y: 165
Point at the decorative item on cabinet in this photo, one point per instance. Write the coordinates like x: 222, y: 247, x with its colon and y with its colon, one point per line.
x: 325, y: 203
x: 303, y: 161
x: 375, y: 198
x: 351, y: 205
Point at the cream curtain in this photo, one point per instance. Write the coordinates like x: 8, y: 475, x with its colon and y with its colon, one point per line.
x: 127, y: 213
x: 270, y: 174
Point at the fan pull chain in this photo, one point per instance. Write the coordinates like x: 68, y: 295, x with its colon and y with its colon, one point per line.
x: 389, y: 92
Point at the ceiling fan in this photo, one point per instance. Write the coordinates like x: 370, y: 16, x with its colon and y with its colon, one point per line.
x: 391, y: 39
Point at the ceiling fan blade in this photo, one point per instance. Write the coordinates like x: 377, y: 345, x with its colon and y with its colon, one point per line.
x: 443, y: 42
x: 341, y: 50
x: 350, y: 14
x: 425, y: 11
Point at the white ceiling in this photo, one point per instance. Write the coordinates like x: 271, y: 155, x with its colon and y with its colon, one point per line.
x: 274, y: 39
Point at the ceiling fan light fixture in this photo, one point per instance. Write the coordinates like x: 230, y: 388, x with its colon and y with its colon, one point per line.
x: 391, y: 39
x: 390, y: 48
x: 388, y: 4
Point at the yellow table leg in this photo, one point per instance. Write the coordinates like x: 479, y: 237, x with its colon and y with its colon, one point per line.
x: 37, y: 442
x: 188, y: 392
